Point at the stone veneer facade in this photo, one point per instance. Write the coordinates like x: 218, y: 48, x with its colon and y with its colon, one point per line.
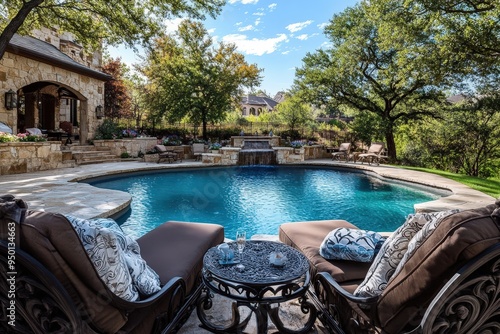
x: 17, y: 71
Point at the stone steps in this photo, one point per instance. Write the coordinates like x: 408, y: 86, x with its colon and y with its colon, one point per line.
x: 89, y: 154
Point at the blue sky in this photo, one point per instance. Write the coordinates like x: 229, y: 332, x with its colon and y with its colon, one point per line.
x: 273, y: 34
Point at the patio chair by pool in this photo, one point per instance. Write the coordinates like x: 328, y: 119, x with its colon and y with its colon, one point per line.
x: 166, y: 154
x: 374, y: 154
x: 447, y: 281
x: 59, y: 287
x: 343, y: 152
x: 198, y: 150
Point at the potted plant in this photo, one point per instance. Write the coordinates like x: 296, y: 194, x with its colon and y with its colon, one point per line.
x: 215, y: 147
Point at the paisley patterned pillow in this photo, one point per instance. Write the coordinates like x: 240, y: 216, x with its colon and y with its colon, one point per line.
x: 350, y: 244
x: 392, y: 251
x: 116, y: 258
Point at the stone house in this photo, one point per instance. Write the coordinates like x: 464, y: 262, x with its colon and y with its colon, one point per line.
x: 51, y: 79
x: 254, y: 105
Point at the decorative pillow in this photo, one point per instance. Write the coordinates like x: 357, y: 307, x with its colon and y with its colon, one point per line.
x: 421, y: 236
x: 350, y: 244
x: 116, y: 258
x: 392, y: 251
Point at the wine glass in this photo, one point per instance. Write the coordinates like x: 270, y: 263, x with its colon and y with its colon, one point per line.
x: 240, y: 242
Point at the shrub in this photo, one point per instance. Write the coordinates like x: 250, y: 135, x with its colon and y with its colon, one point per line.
x: 25, y: 137
x: 7, y: 138
x: 108, y: 130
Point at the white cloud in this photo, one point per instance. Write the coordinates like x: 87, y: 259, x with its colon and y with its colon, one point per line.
x: 172, y: 25
x: 285, y: 52
x: 272, y: 6
x: 303, y: 37
x: 246, y: 28
x: 211, y: 31
x: 254, y: 46
x: 239, y: 23
x: 294, y: 27
x: 258, y: 14
x: 322, y: 25
x: 257, y: 22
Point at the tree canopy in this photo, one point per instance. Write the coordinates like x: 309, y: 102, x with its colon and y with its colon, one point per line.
x: 399, y: 83
x: 190, y: 76
x: 95, y: 21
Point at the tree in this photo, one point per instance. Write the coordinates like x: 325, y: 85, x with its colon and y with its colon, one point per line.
x: 399, y: 83
x: 293, y: 112
x: 95, y: 21
x: 117, y: 102
x: 190, y: 76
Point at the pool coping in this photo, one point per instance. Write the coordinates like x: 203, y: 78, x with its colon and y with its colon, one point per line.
x: 60, y: 191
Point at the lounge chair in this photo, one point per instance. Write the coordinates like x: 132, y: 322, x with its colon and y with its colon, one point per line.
x: 166, y: 154
x: 374, y: 154
x: 34, y: 131
x: 343, y: 152
x: 58, y: 289
x: 198, y: 150
x: 450, y: 283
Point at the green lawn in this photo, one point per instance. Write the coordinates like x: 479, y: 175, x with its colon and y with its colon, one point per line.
x: 488, y: 186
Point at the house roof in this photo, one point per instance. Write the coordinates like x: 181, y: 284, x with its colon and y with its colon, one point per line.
x: 44, y: 52
x: 259, y: 101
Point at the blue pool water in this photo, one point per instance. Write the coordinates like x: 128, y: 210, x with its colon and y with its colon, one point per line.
x: 258, y: 199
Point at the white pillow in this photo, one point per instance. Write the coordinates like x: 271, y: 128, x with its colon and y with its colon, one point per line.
x: 116, y: 258
x: 350, y: 244
x: 392, y: 252
x: 421, y: 236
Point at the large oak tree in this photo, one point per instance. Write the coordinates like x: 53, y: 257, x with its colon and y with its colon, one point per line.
x: 398, y: 83
x: 97, y: 21
x: 190, y: 76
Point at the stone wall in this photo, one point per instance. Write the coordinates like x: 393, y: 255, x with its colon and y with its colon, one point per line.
x: 131, y: 146
x: 27, y: 157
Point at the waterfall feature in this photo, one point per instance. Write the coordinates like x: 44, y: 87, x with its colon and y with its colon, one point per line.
x: 256, y: 152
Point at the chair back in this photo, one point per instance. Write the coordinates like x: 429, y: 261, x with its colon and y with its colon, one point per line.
x: 67, y: 127
x: 53, y: 241
x: 34, y: 131
x: 376, y: 148
x: 456, y: 240
x: 345, y: 147
x: 160, y: 148
x: 198, y: 148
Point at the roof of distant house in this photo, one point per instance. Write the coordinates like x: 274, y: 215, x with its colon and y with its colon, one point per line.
x: 39, y: 50
x: 259, y: 101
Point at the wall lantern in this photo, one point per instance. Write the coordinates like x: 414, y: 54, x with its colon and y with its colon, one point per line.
x: 99, y: 112
x: 10, y: 99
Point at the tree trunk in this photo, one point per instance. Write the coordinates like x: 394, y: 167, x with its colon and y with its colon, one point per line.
x: 391, y: 145
x: 15, y: 24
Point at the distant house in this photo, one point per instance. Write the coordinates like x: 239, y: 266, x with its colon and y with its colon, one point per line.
x: 254, y: 105
x: 47, y: 79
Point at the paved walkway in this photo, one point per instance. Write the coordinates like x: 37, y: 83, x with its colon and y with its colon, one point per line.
x: 59, y: 191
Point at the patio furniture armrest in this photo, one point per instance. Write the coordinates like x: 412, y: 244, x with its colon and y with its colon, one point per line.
x: 327, y: 278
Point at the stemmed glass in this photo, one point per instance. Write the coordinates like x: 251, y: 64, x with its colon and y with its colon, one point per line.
x: 240, y: 242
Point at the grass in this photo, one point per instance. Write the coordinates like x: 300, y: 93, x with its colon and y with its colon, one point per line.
x: 489, y: 186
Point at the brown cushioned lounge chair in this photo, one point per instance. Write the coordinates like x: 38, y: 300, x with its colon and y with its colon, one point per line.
x: 57, y: 289
x: 165, y: 154
x: 374, y: 154
x: 450, y: 284
x: 343, y: 152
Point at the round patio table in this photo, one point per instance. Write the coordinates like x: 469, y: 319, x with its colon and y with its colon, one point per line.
x: 260, y: 286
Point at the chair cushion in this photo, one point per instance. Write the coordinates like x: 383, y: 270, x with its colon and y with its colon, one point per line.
x: 307, y: 238
x: 176, y: 249
x: 457, y: 239
x: 350, y: 244
x: 116, y: 258
x: 392, y: 251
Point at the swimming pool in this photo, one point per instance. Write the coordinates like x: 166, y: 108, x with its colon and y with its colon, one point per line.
x: 260, y: 198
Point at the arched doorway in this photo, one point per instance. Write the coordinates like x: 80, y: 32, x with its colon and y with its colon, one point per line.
x: 45, y: 105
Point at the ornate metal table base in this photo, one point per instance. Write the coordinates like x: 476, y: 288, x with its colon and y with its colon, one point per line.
x: 261, y: 289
